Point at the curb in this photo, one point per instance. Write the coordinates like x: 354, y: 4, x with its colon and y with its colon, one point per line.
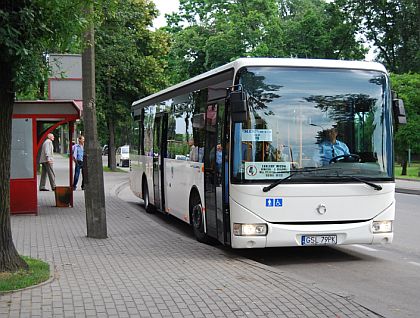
x: 407, y: 179
x: 118, y: 188
x: 408, y: 191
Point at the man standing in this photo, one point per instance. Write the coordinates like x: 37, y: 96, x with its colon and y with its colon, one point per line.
x: 47, y: 161
x: 78, y: 159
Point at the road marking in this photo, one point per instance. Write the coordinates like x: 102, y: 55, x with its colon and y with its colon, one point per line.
x: 414, y: 263
x: 365, y: 248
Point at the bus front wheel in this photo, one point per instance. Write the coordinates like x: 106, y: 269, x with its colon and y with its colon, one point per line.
x: 198, y: 220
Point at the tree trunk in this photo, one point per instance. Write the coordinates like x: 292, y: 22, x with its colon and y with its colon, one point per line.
x: 10, y: 261
x: 111, y: 131
x: 94, y: 193
x: 111, y: 145
x: 404, y: 166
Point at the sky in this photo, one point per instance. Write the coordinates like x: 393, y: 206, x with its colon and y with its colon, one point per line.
x: 164, y: 6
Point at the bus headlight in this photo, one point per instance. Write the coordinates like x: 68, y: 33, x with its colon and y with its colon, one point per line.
x: 240, y: 229
x: 382, y: 226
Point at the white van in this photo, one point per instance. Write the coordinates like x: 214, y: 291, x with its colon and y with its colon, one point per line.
x: 122, y: 156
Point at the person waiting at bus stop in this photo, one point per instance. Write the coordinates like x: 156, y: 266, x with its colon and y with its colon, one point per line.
x: 78, y: 151
x: 331, y: 147
x: 47, y: 161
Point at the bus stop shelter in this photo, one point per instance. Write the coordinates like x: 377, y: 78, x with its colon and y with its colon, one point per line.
x: 32, y: 121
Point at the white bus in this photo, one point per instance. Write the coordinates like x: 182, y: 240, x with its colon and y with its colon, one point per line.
x: 266, y: 152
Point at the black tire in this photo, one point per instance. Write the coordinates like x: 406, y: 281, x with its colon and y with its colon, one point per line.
x: 197, y: 219
x: 147, y: 205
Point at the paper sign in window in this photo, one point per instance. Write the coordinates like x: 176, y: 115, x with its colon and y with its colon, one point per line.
x: 266, y: 170
x: 257, y: 135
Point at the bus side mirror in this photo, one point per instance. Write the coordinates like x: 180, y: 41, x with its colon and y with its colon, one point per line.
x: 399, y: 112
x: 238, y: 106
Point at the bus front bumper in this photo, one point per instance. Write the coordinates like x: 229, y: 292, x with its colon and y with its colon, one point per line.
x: 295, y: 234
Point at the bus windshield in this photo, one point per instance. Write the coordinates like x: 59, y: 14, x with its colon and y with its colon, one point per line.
x: 333, y: 122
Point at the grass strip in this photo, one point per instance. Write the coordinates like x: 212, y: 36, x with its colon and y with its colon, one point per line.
x: 38, y: 272
x: 412, y: 172
x: 107, y: 169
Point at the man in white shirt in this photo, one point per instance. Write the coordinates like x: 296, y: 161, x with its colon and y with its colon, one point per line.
x: 47, y: 161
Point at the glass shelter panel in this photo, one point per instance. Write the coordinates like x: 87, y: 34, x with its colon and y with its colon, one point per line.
x: 22, y: 166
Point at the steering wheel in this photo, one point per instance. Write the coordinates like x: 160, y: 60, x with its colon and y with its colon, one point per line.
x: 356, y: 158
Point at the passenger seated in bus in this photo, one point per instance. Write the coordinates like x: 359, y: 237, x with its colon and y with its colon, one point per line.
x: 193, y: 151
x: 196, y: 152
x: 267, y: 152
x: 282, y: 153
x: 331, y: 147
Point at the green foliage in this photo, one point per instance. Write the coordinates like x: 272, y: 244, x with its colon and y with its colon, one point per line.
x: 315, y: 29
x: 31, y: 29
x: 407, y: 87
x: 37, y: 273
x: 129, y: 59
x: 210, y: 33
x: 392, y: 26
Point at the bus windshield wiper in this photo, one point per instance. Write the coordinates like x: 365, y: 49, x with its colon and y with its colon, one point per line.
x: 377, y: 187
x: 293, y: 172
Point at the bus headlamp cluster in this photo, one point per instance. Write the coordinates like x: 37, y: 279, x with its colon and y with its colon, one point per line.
x: 382, y: 226
x: 240, y: 229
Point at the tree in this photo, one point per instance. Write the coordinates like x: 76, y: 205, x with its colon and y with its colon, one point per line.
x: 407, y: 86
x: 130, y: 63
x: 393, y: 26
x: 316, y: 29
x: 27, y: 30
x: 209, y: 33
x: 95, y: 192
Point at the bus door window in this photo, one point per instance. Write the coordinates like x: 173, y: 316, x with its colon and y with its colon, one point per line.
x: 210, y: 176
x: 222, y: 180
x: 159, y: 151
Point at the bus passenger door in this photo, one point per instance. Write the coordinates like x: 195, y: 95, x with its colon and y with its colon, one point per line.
x: 214, y: 177
x: 159, y: 151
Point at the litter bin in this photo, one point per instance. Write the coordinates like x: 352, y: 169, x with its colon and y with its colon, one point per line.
x: 63, y: 196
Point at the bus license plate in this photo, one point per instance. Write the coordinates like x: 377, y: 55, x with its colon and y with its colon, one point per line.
x: 319, y: 239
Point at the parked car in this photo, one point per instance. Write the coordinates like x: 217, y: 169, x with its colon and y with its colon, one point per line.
x: 105, y: 150
x: 122, y: 156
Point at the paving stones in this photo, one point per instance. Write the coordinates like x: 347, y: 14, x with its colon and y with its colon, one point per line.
x: 144, y: 269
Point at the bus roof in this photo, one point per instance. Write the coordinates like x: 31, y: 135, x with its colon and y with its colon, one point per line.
x: 260, y: 61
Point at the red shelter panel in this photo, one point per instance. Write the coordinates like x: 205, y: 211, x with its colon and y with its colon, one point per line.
x: 23, y: 195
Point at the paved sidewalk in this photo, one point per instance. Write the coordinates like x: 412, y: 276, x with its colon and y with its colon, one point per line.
x: 144, y: 269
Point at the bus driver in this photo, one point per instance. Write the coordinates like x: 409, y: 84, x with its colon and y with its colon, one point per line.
x: 331, y: 147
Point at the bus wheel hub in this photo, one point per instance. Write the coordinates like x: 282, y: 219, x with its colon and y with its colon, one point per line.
x: 197, y: 216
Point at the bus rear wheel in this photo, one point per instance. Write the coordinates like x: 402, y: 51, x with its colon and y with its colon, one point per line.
x: 198, y: 221
x: 147, y: 206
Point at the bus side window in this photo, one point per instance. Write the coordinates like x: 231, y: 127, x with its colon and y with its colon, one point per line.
x: 199, y: 100
x: 149, y: 118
